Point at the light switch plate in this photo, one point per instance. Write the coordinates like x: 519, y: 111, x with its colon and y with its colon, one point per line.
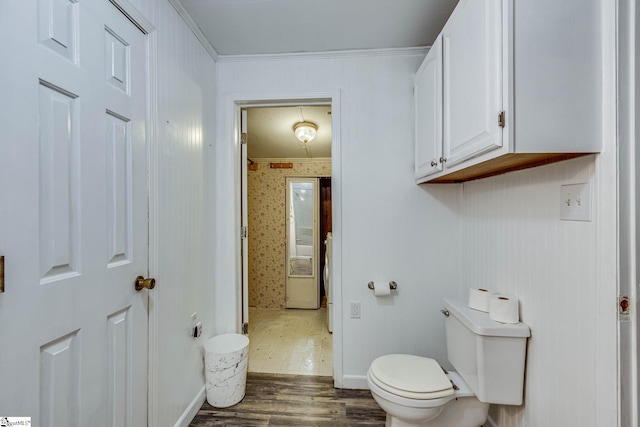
x: 575, y: 202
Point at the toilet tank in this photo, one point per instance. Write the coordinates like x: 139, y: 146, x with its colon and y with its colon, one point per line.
x: 489, y: 355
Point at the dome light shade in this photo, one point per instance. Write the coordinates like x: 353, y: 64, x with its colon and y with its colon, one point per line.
x: 305, y: 131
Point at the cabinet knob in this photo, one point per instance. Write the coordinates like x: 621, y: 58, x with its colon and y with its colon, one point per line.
x: 434, y: 163
x: 443, y: 160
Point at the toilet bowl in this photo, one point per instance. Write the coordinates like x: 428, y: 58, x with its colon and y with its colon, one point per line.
x: 489, y: 359
x: 416, y: 391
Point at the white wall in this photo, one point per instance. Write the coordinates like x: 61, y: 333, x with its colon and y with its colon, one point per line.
x: 503, y: 232
x: 436, y: 240
x: 392, y: 229
x: 514, y: 242
x: 185, y: 136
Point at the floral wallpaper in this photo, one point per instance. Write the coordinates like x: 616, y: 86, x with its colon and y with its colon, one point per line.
x: 266, y: 190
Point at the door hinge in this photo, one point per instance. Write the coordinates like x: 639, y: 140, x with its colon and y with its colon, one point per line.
x: 243, y: 138
x: 501, y: 119
x: 243, y: 232
x: 245, y: 328
x: 624, y: 306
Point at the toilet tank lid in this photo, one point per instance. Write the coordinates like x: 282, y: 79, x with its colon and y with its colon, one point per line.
x: 480, y: 323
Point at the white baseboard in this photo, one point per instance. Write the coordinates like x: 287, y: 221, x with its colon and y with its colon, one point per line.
x: 189, y: 414
x: 355, y: 382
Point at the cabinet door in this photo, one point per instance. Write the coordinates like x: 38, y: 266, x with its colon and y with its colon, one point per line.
x: 428, y: 113
x: 472, y: 79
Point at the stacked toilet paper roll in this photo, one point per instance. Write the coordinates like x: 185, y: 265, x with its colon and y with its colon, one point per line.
x: 479, y: 299
x: 504, y: 309
x: 501, y: 308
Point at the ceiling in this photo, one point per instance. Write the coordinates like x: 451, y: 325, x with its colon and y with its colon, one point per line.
x: 250, y: 27
x: 264, y: 27
x: 270, y: 132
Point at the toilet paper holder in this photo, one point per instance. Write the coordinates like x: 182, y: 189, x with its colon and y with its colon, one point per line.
x: 392, y: 285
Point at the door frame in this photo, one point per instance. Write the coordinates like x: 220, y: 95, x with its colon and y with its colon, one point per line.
x: 151, y: 35
x: 229, y: 200
x: 628, y: 165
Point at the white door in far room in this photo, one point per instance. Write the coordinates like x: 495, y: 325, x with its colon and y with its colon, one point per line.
x: 74, y: 214
x: 302, y: 249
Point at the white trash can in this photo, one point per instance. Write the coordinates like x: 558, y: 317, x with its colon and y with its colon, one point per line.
x: 225, y: 362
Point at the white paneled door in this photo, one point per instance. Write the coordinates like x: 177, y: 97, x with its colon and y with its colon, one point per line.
x: 302, y: 285
x: 73, y: 214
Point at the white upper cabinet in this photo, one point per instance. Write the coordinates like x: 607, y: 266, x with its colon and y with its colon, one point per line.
x: 472, y: 60
x: 428, y: 113
x: 519, y: 87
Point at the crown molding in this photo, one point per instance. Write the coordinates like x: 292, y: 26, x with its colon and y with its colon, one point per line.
x: 177, y: 5
x: 404, y: 51
x: 291, y: 160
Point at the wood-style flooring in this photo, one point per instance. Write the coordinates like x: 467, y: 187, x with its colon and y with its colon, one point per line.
x: 294, y: 400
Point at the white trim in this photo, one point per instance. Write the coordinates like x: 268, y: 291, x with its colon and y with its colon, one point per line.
x: 154, y: 258
x: 607, y: 241
x: 291, y: 160
x: 228, y: 198
x: 135, y: 16
x: 286, y: 103
x: 332, y: 54
x: 192, y: 410
x: 151, y: 60
x: 627, y: 211
x: 355, y: 382
x: 177, y: 5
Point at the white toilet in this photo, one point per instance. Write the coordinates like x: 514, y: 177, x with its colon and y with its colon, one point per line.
x: 489, y: 358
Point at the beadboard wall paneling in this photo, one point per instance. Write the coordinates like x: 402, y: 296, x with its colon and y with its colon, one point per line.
x: 514, y: 242
x: 392, y: 229
x: 266, y: 190
x: 185, y: 135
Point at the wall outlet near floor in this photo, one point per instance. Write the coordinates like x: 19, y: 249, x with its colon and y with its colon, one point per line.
x: 197, y: 330
x: 194, y: 324
x: 575, y: 202
x: 354, y: 310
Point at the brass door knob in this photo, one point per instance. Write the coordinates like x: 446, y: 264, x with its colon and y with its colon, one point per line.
x: 141, y: 283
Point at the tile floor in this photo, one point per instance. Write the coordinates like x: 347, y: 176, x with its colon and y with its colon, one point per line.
x: 290, y: 341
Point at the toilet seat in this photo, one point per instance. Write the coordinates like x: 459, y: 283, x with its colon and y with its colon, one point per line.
x: 410, y: 376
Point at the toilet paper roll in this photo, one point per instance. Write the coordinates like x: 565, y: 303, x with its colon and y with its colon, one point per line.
x: 479, y: 299
x: 504, y: 309
x: 381, y: 289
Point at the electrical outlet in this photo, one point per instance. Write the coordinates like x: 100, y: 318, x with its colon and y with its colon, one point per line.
x: 194, y: 322
x: 354, y: 309
x: 575, y: 202
x: 197, y: 330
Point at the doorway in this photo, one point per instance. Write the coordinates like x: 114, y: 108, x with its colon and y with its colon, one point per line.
x: 294, y: 339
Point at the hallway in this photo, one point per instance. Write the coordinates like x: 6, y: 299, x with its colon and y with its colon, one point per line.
x: 289, y: 341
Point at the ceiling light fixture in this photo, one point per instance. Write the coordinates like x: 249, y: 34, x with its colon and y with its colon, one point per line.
x: 305, y: 131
